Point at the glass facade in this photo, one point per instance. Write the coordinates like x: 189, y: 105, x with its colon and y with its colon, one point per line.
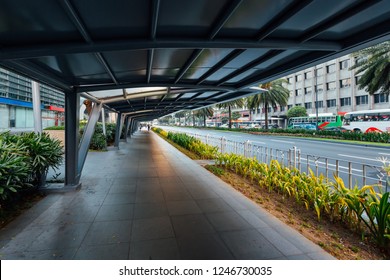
x: 16, y: 103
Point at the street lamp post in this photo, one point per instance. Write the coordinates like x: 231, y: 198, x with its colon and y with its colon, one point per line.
x: 316, y: 92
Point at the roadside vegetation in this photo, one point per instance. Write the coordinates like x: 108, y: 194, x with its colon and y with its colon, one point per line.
x: 99, y: 141
x: 348, y: 223
x: 24, y: 162
x: 372, y: 137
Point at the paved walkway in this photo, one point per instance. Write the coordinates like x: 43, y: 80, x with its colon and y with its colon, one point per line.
x: 149, y: 201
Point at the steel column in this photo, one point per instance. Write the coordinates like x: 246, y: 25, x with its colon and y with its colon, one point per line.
x: 72, y: 104
x: 118, y: 130
x: 87, y: 136
x: 36, y: 97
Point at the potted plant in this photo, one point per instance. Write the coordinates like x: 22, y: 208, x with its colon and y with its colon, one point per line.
x: 44, y: 153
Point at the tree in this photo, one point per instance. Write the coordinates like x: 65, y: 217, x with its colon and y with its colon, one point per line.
x: 238, y: 103
x: 180, y: 115
x: 297, y: 111
x: 204, y: 112
x: 374, y: 65
x: 273, y: 94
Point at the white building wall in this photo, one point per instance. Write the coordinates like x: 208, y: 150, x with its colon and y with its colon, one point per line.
x: 338, y: 73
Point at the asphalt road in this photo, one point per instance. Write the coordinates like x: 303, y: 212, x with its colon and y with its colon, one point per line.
x: 358, y: 155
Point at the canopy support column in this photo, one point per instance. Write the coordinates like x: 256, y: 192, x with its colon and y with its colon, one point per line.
x: 72, y: 105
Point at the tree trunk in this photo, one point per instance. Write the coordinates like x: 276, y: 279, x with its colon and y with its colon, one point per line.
x: 193, y: 119
x: 230, y: 117
x: 204, y: 120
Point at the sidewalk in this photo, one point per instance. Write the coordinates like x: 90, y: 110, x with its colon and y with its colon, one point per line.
x: 149, y: 201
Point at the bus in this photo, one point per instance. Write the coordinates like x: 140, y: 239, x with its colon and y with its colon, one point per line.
x: 325, y: 120
x: 368, y: 120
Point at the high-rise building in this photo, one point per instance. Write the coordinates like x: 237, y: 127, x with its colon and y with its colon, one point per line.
x: 16, y: 103
x: 333, y: 85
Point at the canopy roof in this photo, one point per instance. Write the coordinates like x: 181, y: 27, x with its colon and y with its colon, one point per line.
x: 188, y: 54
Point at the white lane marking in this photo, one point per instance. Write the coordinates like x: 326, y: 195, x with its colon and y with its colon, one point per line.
x: 342, y: 155
x: 289, y: 142
x: 384, y: 154
x: 257, y: 142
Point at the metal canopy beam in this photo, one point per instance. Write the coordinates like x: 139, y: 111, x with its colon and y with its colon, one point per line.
x: 32, y: 51
x: 157, y: 84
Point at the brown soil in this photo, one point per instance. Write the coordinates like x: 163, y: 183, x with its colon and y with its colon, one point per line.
x: 335, y: 238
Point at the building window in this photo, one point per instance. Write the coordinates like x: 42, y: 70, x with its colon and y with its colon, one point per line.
x: 307, y: 90
x: 319, y: 88
x: 258, y: 110
x: 298, y: 78
x: 331, y: 68
x: 361, y: 100
x: 282, y: 108
x: 331, y: 86
x: 357, y: 78
x: 298, y: 92
x: 345, y: 83
x: 344, y: 64
x: 289, y: 107
x: 289, y: 80
x: 320, y: 104
x: 345, y: 101
x: 381, y: 98
x: 331, y: 103
x: 308, y: 105
x: 308, y: 75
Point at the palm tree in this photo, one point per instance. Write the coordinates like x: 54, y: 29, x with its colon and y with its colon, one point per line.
x: 374, y: 63
x: 238, y: 103
x: 204, y: 112
x: 273, y: 94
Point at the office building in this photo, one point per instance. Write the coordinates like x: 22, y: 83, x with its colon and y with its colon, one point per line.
x: 16, y: 105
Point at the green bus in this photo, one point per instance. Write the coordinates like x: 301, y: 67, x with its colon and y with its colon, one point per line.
x: 309, y: 122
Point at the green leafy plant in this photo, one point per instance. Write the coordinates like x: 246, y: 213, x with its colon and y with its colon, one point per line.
x: 14, y: 168
x: 44, y: 153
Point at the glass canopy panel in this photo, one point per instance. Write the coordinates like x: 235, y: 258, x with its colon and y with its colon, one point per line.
x: 119, y: 92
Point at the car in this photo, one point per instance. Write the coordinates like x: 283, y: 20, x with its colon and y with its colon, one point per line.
x: 270, y: 126
x: 336, y: 129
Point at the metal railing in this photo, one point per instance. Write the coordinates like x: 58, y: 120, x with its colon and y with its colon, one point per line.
x: 353, y: 173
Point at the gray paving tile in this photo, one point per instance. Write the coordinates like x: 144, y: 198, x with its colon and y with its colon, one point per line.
x: 224, y: 221
x: 87, y: 199
x: 191, y: 225
x: 203, y: 247
x: 150, y: 210
x: 56, y: 254
x: 282, y: 244
x: 119, y: 198
x: 60, y: 236
x: 152, y: 228
x: 21, y: 241
x: 80, y: 214
x: 108, y: 232
x: 115, y: 212
x: 103, y: 252
x: 157, y: 249
x: 183, y: 207
x: 116, y: 188
x: 252, y: 219
x: 178, y: 193
x: 212, y: 205
x: 250, y: 244
x: 152, y: 196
